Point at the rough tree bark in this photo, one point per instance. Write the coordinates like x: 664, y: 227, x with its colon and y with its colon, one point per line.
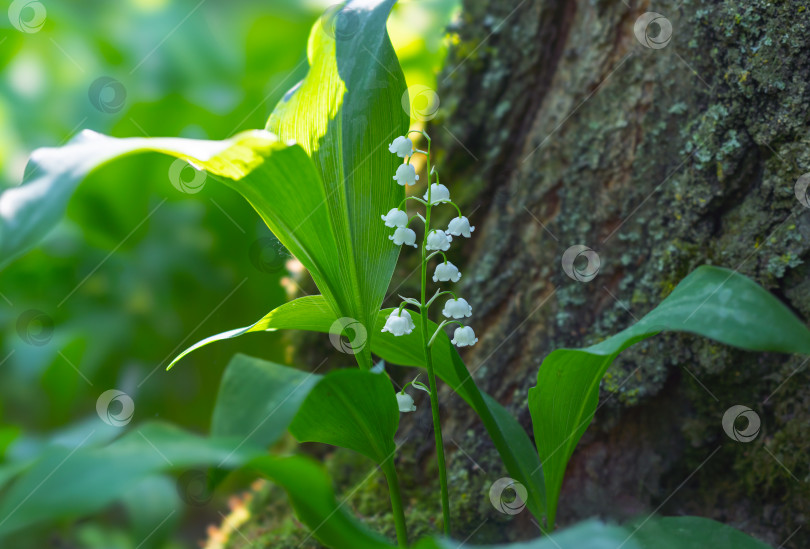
x: 559, y: 128
x: 564, y: 129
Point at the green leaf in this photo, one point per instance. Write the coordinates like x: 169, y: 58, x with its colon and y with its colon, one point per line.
x: 310, y: 491
x: 651, y: 533
x: 69, y: 482
x: 712, y: 302
x: 352, y: 409
x: 513, y: 444
x: 345, y: 113
x: 257, y: 400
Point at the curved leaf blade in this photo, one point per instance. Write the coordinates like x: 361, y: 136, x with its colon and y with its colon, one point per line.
x: 352, y: 409
x: 713, y: 302
x: 345, y: 113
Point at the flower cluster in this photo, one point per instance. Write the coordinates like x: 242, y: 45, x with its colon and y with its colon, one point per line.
x: 437, y: 241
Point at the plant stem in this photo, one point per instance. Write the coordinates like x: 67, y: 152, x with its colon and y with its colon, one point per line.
x: 434, y: 394
x: 390, y: 473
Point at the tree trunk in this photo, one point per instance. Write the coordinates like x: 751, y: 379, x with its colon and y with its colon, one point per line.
x: 560, y: 127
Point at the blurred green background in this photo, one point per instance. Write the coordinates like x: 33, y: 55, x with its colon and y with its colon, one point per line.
x: 141, y: 268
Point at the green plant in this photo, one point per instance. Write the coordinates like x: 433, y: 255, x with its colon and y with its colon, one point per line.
x: 318, y: 177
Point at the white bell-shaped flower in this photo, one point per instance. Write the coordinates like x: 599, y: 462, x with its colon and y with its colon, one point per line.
x: 405, y: 402
x: 438, y: 240
x: 460, y: 226
x: 463, y: 337
x: 406, y: 175
x: 403, y: 235
x: 446, y: 271
x: 402, y: 146
x: 395, y: 218
x: 399, y: 323
x: 438, y: 193
x: 457, y: 308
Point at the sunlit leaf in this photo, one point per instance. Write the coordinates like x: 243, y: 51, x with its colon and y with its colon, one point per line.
x: 345, y: 113
x: 713, y: 302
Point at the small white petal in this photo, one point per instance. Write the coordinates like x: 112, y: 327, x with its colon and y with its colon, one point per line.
x: 457, y: 308
x: 406, y: 175
x: 395, y: 218
x: 438, y: 240
x: 464, y: 337
x: 438, y: 193
x: 460, y: 226
x: 402, y: 236
x: 446, y: 272
x: 399, y: 323
x: 405, y: 402
x: 402, y: 146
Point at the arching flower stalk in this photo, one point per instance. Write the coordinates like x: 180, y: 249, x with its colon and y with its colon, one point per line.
x: 434, y: 243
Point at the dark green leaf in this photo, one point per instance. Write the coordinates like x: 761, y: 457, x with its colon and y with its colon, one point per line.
x: 712, y: 302
x: 352, y: 409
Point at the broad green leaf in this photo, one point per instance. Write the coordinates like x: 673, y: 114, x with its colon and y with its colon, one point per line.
x: 257, y: 400
x: 310, y: 491
x: 513, y: 444
x: 345, y: 113
x: 711, y: 301
x: 69, y: 482
x: 352, y: 409
x: 650, y: 533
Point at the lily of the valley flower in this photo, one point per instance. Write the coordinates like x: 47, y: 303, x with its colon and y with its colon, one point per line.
x: 405, y: 402
x: 399, y: 323
x: 457, y: 308
x: 463, y: 337
x: 439, y: 240
x: 403, y: 235
x: 460, y: 226
x: 395, y: 218
x: 446, y: 271
x: 402, y: 146
x: 406, y: 175
x: 438, y: 193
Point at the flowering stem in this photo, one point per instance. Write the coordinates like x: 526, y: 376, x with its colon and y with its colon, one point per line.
x: 390, y: 473
x: 434, y: 397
